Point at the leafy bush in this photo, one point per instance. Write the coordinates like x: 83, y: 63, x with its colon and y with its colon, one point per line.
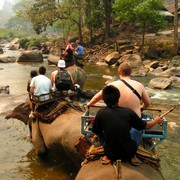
x: 9, y: 34
x: 23, y: 43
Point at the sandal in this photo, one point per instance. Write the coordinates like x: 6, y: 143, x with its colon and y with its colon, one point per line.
x: 104, y: 162
x: 137, y: 163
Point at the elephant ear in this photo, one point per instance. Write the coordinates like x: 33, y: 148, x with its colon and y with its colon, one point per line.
x: 21, y: 112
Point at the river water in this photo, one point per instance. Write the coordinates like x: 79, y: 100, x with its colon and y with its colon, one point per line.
x: 17, y: 157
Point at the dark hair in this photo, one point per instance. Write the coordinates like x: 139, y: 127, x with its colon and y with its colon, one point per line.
x: 111, y: 95
x: 125, y: 69
x: 33, y: 73
x: 42, y: 70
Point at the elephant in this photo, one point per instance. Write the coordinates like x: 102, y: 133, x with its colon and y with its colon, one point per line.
x: 62, y: 135
x: 78, y: 75
x: 94, y: 170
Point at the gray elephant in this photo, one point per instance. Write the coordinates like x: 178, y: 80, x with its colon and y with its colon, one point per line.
x: 78, y: 75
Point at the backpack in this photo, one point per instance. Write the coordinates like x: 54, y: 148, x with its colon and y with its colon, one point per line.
x: 63, y: 80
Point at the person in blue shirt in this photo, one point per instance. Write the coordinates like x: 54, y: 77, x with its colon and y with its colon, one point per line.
x: 79, y: 54
x: 79, y: 49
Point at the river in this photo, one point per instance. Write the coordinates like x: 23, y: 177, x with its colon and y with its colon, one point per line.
x: 17, y: 157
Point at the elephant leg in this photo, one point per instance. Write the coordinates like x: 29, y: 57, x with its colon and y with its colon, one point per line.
x: 37, y: 139
x: 30, y: 127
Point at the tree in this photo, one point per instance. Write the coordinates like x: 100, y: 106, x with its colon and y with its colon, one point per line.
x: 144, y: 12
x: 176, y: 46
x: 108, y: 11
x: 94, y: 16
x: 44, y: 13
x: 19, y: 23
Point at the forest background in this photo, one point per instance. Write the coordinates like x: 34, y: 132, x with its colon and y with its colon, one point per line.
x: 94, y: 22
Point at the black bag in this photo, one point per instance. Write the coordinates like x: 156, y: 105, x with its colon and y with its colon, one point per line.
x: 63, y: 80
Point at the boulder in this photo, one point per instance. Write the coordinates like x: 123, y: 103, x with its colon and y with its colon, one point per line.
x: 175, y: 62
x: 154, y: 64
x: 53, y: 59
x: 175, y: 81
x: 152, y: 53
x: 112, y: 58
x: 14, y: 45
x: 122, y: 42
x: 55, y: 50
x: 160, y: 83
x: 174, y: 71
x: 7, y: 59
x: 142, y: 72
x: 156, y: 71
x: 73, y: 38
x: 30, y: 56
x: 133, y: 59
x: 1, y: 51
x: 4, y: 89
x: 126, y: 48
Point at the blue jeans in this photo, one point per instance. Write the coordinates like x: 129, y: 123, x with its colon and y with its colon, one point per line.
x: 136, y: 136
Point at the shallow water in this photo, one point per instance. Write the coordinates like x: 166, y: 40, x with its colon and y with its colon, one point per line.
x: 17, y: 158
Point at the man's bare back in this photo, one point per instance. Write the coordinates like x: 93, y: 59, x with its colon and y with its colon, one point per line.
x: 128, y: 98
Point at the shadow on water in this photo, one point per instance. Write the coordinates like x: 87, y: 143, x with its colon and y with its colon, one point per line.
x: 48, y: 167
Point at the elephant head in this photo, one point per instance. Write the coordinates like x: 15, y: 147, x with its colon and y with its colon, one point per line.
x: 78, y: 75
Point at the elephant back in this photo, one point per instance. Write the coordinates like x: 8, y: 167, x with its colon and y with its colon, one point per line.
x: 78, y: 75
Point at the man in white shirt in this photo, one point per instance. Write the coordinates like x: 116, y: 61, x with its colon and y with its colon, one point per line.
x: 41, y: 85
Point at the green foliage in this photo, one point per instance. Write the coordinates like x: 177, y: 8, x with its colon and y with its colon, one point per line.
x: 95, y: 15
x: 144, y: 12
x: 23, y: 42
x: 149, y: 12
x: 31, y: 41
x: 9, y: 34
x: 34, y: 42
x: 124, y: 10
x: 141, y: 11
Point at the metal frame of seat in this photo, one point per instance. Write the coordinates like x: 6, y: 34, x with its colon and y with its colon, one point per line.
x: 160, y: 134
x: 85, y: 123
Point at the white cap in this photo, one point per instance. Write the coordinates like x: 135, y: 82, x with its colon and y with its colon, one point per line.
x: 61, y: 63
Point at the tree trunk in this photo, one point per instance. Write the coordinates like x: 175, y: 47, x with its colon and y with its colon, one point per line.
x: 176, y: 28
x: 108, y: 11
x: 80, y: 29
x: 143, y: 36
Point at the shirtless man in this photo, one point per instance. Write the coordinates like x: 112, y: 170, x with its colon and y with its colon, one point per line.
x: 128, y: 98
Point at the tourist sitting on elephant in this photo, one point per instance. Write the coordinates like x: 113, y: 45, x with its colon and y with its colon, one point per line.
x: 67, y: 54
x: 79, y: 51
x: 33, y: 73
x: 61, y: 79
x: 113, y: 124
x: 41, y: 85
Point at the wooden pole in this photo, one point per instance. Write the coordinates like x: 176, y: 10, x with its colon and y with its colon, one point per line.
x: 176, y: 27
